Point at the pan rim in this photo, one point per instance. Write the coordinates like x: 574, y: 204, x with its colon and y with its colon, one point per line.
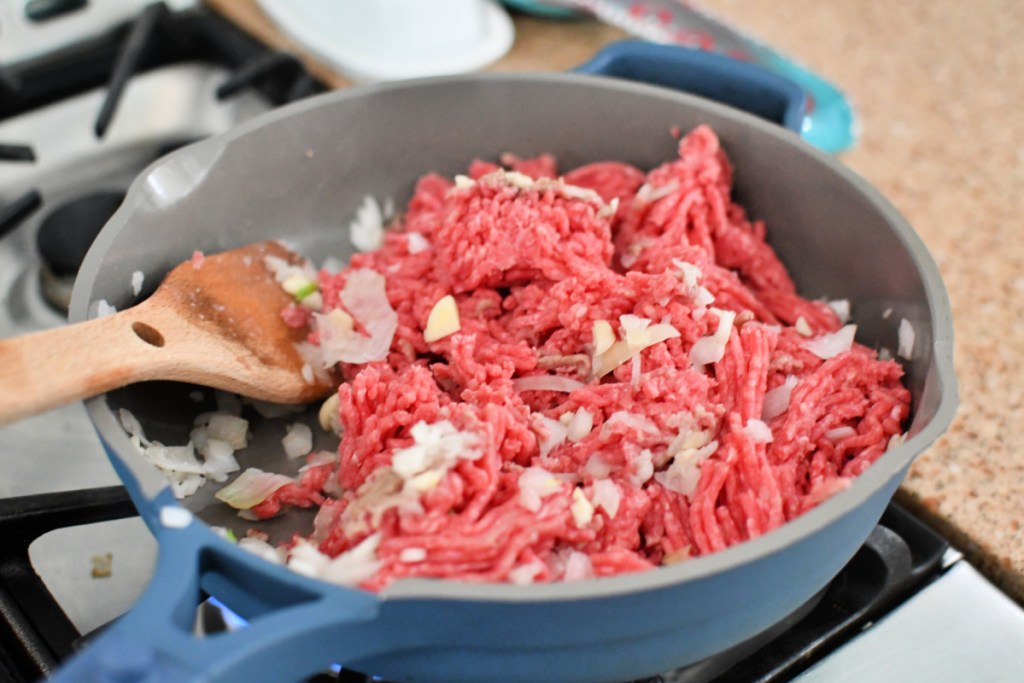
x: 889, y: 466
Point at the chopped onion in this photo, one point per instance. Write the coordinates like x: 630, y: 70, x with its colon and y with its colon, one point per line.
x: 905, y: 347
x: 356, y: 565
x: 298, y: 440
x: 578, y: 567
x: 412, y: 555
x: 536, y: 483
x: 831, y: 344
x: 233, y: 430
x: 606, y: 496
x: 547, y: 383
x: 252, y: 487
x: 260, y: 548
x: 555, y: 434
x: 365, y: 297
x: 416, y: 242
x: 219, y: 460
x: 319, y: 459
x: 366, y: 232
x: 137, y: 279
x: 838, y: 433
x: 758, y: 431
x: 306, y: 559
x: 596, y: 467
x: 776, y: 401
x: 524, y: 574
x: 841, y: 307
x: 708, y: 350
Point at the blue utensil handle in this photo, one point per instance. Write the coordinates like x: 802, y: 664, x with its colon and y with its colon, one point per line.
x: 297, y: 626
x: 738, y: 84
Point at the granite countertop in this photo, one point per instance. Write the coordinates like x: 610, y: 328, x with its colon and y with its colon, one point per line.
x: 938, y: 86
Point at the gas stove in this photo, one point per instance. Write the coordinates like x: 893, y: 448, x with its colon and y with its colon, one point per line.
x: 100, y: 91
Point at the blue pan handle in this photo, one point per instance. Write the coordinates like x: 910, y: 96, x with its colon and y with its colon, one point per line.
x: 297, y: 626
x: 738, y: 84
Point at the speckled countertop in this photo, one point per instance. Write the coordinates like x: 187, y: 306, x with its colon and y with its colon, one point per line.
x: 939, y: 88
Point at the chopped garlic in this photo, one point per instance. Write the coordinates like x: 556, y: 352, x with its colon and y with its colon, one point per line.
x: 443, y: 320
x: 802, y: 327
x: 329, y: 418
x: 340, y: 321
x: 604, y: 336
x: 580, y: 425
x: 582, y: 509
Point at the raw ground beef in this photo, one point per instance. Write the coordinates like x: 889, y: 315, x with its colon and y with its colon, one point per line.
x: 660, y: 448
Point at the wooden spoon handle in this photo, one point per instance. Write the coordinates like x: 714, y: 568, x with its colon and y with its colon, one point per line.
x: 47, y: 369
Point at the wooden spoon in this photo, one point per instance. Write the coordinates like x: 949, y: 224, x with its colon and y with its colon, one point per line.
x: 217, y: 324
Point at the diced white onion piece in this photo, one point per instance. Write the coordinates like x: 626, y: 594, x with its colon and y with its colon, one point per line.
x: 103, y: 309
x: 416, y: 242
x: 683, y: 475
x: 536, y: 483
x: 758, y: 431
x: 252, y: 487
x: 802, y: 327
x: 555, y: 434
x: 839, y: 433
x: 298, y: 440
x: 260, y: 548
x: 233, y: 430
x: 578, y: 567
x: 219, y: 460
x: 708, y: 350
x: 175, y: 459
x: 606, y: 496
x: 831, y: 344
x: 306, y: 559
x: 776, y: 401
x: 596, y: 467
x: 137, y: 279
x: 547, y: 383
x: 841, y: 307
x: 412, y: 555
x: 365, y: 297
x: 319, y: 459
x: 443, y: 320
x: 905, y: 346
x: 356, y: 565
x: 366, y: 232
x: 524, y: 574
x: 643, y: 468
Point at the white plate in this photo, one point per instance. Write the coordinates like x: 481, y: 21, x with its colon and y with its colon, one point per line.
x: 396, y: 39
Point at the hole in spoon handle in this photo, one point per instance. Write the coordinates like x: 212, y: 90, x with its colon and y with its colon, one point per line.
x: 148, y: 334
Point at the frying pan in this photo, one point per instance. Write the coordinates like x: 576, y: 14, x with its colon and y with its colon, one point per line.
x: 300, y: 173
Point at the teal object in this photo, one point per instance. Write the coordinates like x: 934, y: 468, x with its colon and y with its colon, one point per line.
x: 542, y: 9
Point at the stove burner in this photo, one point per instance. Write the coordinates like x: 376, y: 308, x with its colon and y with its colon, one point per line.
x: 64, y: 238
x: 16, y: 153
x: 18, y: 210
